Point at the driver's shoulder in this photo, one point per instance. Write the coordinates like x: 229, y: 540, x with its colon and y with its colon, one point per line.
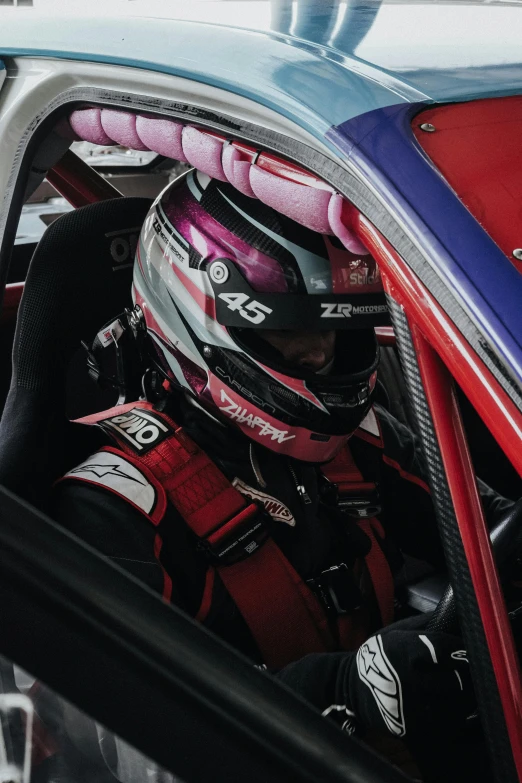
x: 113, y: 474
x: 382, y: 437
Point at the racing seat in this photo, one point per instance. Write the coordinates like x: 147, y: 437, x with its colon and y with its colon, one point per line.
x: 79, y: 278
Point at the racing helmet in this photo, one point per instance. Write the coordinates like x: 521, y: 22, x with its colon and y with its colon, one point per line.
x: 215, y: 267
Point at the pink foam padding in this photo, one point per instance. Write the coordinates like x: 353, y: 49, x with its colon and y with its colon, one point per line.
x: 86, y: 123
x: 121, y: 126
x: 340, y: 229
x: 303, y: 204
x: 203, y: 152
x: 237, y: 171
x: 161, y: 136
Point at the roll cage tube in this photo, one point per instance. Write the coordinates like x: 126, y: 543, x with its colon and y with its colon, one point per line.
x: 499, y: 413
x: 424, y: 332
x: 444, y: 408
x: 79, y: 183
x: 112, y: 647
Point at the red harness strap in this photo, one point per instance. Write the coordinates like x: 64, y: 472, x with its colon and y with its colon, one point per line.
x: 284, y: 615
x: 262, y: 583
x: 343, y: 472
x: 379, y: 569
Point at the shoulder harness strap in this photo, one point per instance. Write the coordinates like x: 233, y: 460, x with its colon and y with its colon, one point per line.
x: 262, y: 583
x: 361, y: 498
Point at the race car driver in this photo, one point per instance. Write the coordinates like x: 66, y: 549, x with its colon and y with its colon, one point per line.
x: 260, y: 491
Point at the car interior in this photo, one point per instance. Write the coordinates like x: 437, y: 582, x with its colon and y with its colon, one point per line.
x: 65, y: 285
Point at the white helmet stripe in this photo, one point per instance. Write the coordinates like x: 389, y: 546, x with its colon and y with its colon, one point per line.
x: 181, y: 338
x: 192, y: 311
x: 170, y: 228
x: 197, y: 182
x: 316, y: 270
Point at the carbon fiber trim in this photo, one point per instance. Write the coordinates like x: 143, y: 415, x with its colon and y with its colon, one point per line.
x: 346, y: 179
x: 488, y: 699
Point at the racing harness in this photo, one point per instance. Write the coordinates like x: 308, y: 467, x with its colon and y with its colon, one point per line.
x: 287, y: 616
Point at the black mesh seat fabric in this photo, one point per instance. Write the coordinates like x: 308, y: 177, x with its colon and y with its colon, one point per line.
x: 80, y: 276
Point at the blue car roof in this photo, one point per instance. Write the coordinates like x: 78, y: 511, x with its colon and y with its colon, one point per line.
x: 321, y: 62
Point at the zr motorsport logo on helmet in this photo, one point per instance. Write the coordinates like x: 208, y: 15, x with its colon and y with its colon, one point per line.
x: 348, y: 310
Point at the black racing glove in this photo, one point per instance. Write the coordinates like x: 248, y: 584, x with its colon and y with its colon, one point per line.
x: 410, y: 682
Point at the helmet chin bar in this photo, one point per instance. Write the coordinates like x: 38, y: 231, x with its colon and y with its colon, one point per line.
x: 297, y: 442
x: 238, y: 305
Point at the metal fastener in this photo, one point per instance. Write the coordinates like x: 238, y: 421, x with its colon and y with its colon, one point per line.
x: 219, y: 272
x: 428, y: 127
x: 518, y: 253
x: 136, y: 318
x: 207, y: 351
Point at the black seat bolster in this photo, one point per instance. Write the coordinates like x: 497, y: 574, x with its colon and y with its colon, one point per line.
x: 423, y: 596
x: 80, y: 276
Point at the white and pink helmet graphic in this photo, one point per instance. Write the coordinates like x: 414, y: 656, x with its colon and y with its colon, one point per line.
x: 213, y: 269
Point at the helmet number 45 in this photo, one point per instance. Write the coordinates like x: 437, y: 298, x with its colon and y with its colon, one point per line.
x: 250, y: 310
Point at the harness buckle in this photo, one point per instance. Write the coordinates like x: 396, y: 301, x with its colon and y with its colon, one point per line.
x: 237, y: 538
x: 336, y: 589
x: 361, y: 506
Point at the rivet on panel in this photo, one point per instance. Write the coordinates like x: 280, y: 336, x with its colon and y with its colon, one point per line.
x: 428, y: 127
x: 518, y: 253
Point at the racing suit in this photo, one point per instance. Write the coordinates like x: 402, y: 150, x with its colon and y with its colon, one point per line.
x: 296, y: 496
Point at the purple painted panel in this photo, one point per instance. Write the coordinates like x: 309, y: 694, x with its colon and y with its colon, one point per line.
x: 382, y: 146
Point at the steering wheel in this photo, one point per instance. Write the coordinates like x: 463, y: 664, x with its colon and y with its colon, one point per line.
x: 506, y: 539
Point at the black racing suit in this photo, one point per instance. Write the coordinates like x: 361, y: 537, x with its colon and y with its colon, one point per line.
x: 312, y: 544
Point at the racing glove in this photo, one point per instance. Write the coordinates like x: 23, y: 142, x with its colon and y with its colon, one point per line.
x: 406, y: 683
x: 409, y: 682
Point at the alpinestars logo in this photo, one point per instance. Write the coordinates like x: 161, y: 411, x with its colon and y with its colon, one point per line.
x: 101, y: 471
x: 142, y: 429
x: 376, y: 671
x: 115, y: 473
x: 277, y: 510
x: 347, y: 310
x: 236, y: 413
